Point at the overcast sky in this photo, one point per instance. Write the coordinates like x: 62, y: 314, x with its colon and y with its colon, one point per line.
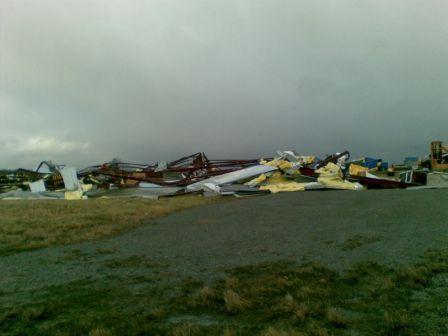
x: 82, y: 82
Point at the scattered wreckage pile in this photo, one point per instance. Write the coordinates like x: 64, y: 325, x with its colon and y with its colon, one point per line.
x: 286, y: 172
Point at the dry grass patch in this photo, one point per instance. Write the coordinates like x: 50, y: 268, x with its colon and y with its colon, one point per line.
x: 207, y: 297
x: 186, y: 329
x: 272, y: 331
x: 234, y: 302
x: 232, y: 282
x: 302, y: 312
x: 287, y: 304
x: 34, y: 224
x: 417, y: 275
x: 33, y: 314
x: 100, y: 332
x: 337, y: 317
x: 157, y: 313
x: 229, y: 332
x: 315, y: 291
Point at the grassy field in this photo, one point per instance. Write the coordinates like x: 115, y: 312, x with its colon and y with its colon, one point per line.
x: 26, y: 225
x: 138, y: 294
x: 270, y: 299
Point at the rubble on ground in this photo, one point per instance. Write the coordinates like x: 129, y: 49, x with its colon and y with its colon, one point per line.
x: 287, y: 171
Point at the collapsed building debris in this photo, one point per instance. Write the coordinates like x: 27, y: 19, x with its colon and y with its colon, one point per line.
x: 287, y: 171
x: 232, y: 177
x: 182, y: 172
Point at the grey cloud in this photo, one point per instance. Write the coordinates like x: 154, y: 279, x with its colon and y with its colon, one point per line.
x: 155, y: 79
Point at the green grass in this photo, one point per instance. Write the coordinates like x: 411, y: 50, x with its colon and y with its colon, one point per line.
x: 270, y: 299
x: 26, y: 225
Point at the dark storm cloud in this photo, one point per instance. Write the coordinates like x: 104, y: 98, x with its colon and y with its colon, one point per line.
x: 85, y: 81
